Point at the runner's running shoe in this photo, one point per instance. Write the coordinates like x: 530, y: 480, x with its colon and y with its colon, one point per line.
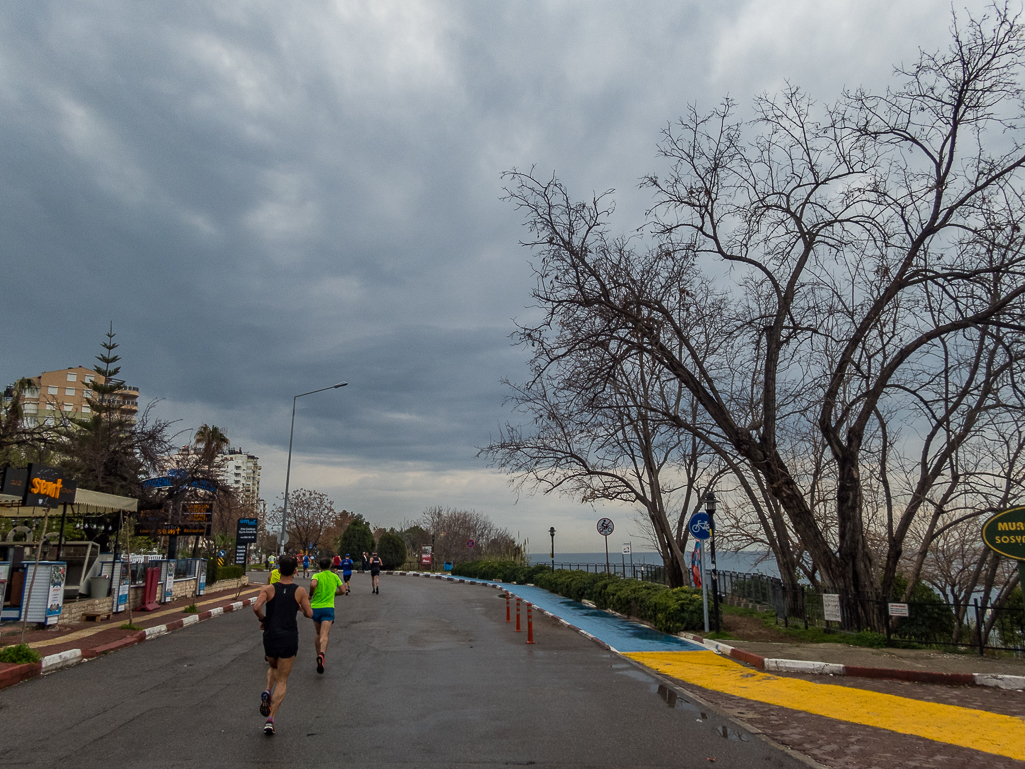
x: 265, y: 703
x: 320, y: 663
x: 268, y: 728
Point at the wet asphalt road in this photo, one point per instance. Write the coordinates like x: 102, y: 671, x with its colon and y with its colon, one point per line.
x: 427, y: 674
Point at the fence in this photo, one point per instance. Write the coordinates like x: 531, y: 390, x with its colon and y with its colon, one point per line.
x: 936, y: 622
x: 928, y: 623
x: 647, y: 572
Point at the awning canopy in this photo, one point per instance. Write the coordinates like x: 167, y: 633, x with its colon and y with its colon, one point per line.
x: 86, y: 503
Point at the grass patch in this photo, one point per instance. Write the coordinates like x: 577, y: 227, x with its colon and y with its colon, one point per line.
x: 129, y: 626
x: 19, y: 654
x: 191, y: 609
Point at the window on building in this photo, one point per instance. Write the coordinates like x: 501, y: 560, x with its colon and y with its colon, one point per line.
x: 88, y: 378
x: 69, y: 407
x: 87, y: 409
x: 52, y: 389
x: 72, y: 377
x: 69, y: 390
x: 48, y: 421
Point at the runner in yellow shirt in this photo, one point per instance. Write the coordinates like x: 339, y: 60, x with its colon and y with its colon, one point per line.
x: 324, y: 586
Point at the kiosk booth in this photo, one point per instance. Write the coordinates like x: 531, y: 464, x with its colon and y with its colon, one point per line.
x: 69, y: 564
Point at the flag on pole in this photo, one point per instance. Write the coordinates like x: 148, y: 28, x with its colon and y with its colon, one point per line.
x: 695, y: 564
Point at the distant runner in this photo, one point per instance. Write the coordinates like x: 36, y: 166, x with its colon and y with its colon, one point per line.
x: 346, y: 571
x: 375, y: 573
x: 280, y: 634
x: 275, y: 575
x: 336, y: 562
x: 306, y: 565
x: 324, y: 586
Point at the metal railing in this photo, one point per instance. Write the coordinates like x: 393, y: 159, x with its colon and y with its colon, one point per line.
x: 973, y: 625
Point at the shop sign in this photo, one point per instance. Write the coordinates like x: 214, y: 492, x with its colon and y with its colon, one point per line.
x: 247, y: 530
x: 14, y: 481
x: 55, y: 599
x: 1004, y: 533
x: 169, y: 582
x: 197, y: 512
x: 47, y: 487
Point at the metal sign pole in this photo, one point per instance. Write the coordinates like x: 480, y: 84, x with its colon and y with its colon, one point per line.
x: 606, y: 553
x: 704, y: 586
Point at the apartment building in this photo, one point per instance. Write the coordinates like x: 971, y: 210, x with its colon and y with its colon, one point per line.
x: 66, y: 393
x: 236, y: 469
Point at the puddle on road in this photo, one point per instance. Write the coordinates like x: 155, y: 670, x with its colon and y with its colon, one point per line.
x: 674, y: 700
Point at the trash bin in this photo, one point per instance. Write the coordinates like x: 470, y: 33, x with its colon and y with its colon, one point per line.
x: 99, y: 587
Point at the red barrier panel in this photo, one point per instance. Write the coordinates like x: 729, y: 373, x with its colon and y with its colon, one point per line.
x: 508, y: 618
x: 530, y: 624
x: 517, y: 614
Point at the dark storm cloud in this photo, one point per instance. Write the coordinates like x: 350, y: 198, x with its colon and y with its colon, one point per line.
x: 267, y: 198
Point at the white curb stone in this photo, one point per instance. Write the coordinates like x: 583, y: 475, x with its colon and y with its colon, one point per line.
x: 190, y: 620
x: 153, y: 632
x: 218, y: 610
x: 61, y: 660
x: 1000, y: 681
x: 804, y: 666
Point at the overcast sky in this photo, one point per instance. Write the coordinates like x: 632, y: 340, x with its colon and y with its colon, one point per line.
x: 266, y: 198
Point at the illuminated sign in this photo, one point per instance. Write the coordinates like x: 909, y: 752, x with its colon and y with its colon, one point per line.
x: 47, y: 487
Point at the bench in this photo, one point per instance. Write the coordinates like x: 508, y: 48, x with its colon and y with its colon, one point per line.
x: 95, y: 616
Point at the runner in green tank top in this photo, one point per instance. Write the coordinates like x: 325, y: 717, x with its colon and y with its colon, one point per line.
x: 324, y: 586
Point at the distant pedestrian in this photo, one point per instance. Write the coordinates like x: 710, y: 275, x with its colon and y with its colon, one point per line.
x: 346, y: 571
x: 324, y: 586
x: 375, y: 574
x: 306, y: 566
x: 282, y: 600
x: 366, y: 562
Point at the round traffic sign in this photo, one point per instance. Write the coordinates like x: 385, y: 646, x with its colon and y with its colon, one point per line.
x: 470, y: 543
x: 700, y: 527
x: 606, y: 527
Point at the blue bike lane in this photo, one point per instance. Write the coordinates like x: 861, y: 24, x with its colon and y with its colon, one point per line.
x: 621, y: 635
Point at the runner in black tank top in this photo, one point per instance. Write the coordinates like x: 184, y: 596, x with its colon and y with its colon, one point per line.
x: 280, y: 629
x: 280, y: 601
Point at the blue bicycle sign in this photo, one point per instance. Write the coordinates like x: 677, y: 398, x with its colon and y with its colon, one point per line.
x: 700, y: 527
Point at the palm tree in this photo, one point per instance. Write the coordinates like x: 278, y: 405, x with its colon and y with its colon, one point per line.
x: 212, y: 440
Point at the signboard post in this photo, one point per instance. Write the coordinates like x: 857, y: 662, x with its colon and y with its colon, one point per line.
x: 831, y: 608
x: 701, y: 530
x: 605, y: 528
x: 246, y: 532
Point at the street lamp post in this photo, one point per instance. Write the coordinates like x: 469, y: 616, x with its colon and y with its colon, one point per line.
x: 288, y: 471
x: 710, y: 509
x: 551, y: 533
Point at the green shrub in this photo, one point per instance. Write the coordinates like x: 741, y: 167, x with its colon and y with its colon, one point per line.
x: 215, y: 573
x: 392, y: 550
x: 19, y: 654
x: 669, y: 610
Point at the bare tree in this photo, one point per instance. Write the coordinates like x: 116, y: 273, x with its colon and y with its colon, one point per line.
x: 862, y: 248
x: 310, y: 515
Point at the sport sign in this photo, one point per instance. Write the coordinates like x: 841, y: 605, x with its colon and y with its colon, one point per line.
x: 606, y: 527
x: 1004, y: 533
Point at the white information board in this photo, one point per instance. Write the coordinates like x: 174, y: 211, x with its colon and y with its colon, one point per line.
x: 831, y: 607
x: 46, y: 599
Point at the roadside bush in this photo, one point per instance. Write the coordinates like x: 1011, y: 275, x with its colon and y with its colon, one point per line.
x: 19, y: 654
x: 669, y: 610
x: 215, y: 572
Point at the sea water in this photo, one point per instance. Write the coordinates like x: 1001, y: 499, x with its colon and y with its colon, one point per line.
x: 744, y: 562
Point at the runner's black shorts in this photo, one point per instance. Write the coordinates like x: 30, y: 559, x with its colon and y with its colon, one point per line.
x: 280, y: 647
x: 346, y: 577
x: 375, y: 572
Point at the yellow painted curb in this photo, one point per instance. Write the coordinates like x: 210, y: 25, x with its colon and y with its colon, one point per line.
x: 975, y: 729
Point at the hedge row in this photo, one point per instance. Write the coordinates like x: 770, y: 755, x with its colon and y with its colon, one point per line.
x: 668, y: 609
x: 215, y: 572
